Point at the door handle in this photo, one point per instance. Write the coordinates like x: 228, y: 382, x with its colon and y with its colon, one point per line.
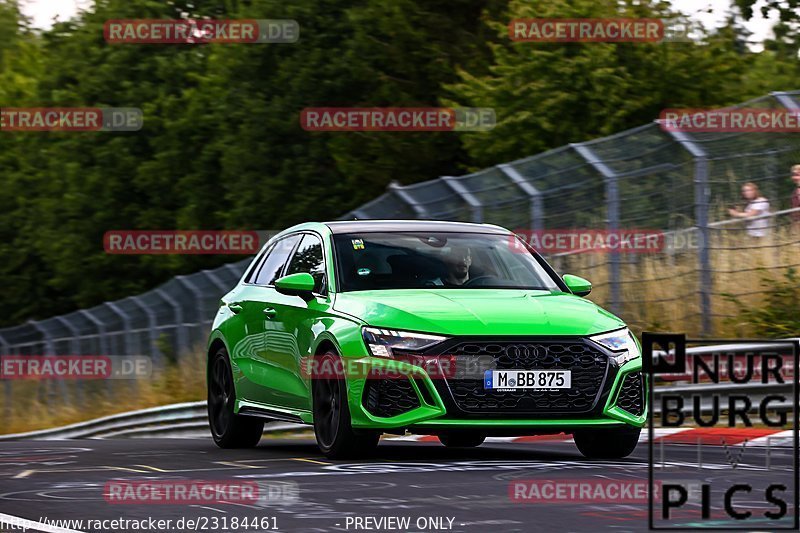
x: 270, y: 313
x: 235, y: 308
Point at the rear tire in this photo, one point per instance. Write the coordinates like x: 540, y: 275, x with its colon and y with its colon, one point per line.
x: 613, y: 443
x: 333, y: 428
x: 467, y: 439
x: 228, y: 429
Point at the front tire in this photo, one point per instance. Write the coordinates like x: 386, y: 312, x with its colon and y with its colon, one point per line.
x: 228, y: 429
x: 613, y: 443
x: 333, y: 429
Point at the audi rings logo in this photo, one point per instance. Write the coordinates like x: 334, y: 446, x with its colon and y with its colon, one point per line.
x: 526, y: 354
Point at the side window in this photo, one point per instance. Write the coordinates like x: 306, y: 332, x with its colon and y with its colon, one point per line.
x: 273, y: 265
x: 309, y: 258
x: 251, y: 275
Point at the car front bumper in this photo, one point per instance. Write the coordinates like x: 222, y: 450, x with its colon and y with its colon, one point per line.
x: 420, y: 404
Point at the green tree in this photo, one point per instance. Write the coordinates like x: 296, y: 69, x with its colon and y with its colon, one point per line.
x: 551, y: 94
x: 221, y: 147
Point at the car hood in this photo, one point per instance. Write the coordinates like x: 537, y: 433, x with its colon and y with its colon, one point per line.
x: 478, y: 311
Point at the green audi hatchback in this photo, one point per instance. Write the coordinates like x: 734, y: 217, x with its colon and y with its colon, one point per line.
x: 440, y: 328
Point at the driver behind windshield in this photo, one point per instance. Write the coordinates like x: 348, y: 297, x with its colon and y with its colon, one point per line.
x: 457, y: 261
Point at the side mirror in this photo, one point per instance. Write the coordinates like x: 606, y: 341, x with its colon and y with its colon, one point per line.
x: 578, y: 286
x: 300, y: 284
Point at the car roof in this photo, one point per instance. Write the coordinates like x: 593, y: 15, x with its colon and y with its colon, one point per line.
x: 360, y: 226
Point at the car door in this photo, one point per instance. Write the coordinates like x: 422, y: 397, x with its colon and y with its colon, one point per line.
x: 292, y: 328
x: 255, y: 303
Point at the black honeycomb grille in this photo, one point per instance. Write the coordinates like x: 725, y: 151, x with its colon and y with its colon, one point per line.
x: 631, y: 394
x: 588, y: 366
x: 389, y: 397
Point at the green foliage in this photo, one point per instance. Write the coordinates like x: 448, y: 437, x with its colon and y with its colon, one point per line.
x: 777, y: 316
x: 222, y: 147
x: 551, y: 94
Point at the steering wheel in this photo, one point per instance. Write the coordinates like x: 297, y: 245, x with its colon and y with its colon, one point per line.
x: 473, y: 281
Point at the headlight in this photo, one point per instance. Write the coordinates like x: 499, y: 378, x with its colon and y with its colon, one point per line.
x: 381, y: 342
x: 621, y: 342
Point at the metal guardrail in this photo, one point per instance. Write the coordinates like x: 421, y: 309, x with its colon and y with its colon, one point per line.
x: 191, y: 417
x: 168, y: 420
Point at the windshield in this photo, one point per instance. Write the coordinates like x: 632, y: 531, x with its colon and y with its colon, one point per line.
x: 399, y: 260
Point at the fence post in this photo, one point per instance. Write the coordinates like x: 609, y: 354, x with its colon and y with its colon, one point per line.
x: 702, y: 200
x: 536, y: 204
x: 49, y: 349
x: 180, y: 341
x: 198, y: 297
x: 102, y: 339
x: 785, y: 100
x: 126, y: 323
x: 232, y: 268
x: 151, y: 326
x: 612, y: 219
x: 401, y: 193
x: 475, y: 205
x: 209, y: 274
x: 75, y: 349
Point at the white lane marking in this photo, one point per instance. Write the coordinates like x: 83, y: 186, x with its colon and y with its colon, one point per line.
x: 209, y: 508
x: 17, y: 522
x: 24, y: 474
x: 659, y: 433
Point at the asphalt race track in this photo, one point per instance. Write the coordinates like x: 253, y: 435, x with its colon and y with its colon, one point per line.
x: 419, y: 480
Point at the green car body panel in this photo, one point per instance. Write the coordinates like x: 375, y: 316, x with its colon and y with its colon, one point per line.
x: 266, y: 354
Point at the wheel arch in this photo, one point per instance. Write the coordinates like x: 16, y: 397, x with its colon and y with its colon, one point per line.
x: 215, y: 343
x: 326, y: 344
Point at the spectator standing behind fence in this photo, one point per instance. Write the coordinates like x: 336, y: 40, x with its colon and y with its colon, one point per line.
x: 756, y: 205
x: 796, y: 197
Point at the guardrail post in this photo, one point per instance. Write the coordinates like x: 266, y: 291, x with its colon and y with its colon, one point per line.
x: 702, y: 200
x: 612, y: 219
x: 475, y: 205
x: 536, y: 203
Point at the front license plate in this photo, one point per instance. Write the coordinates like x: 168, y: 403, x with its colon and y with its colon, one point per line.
x: 527, y: 379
